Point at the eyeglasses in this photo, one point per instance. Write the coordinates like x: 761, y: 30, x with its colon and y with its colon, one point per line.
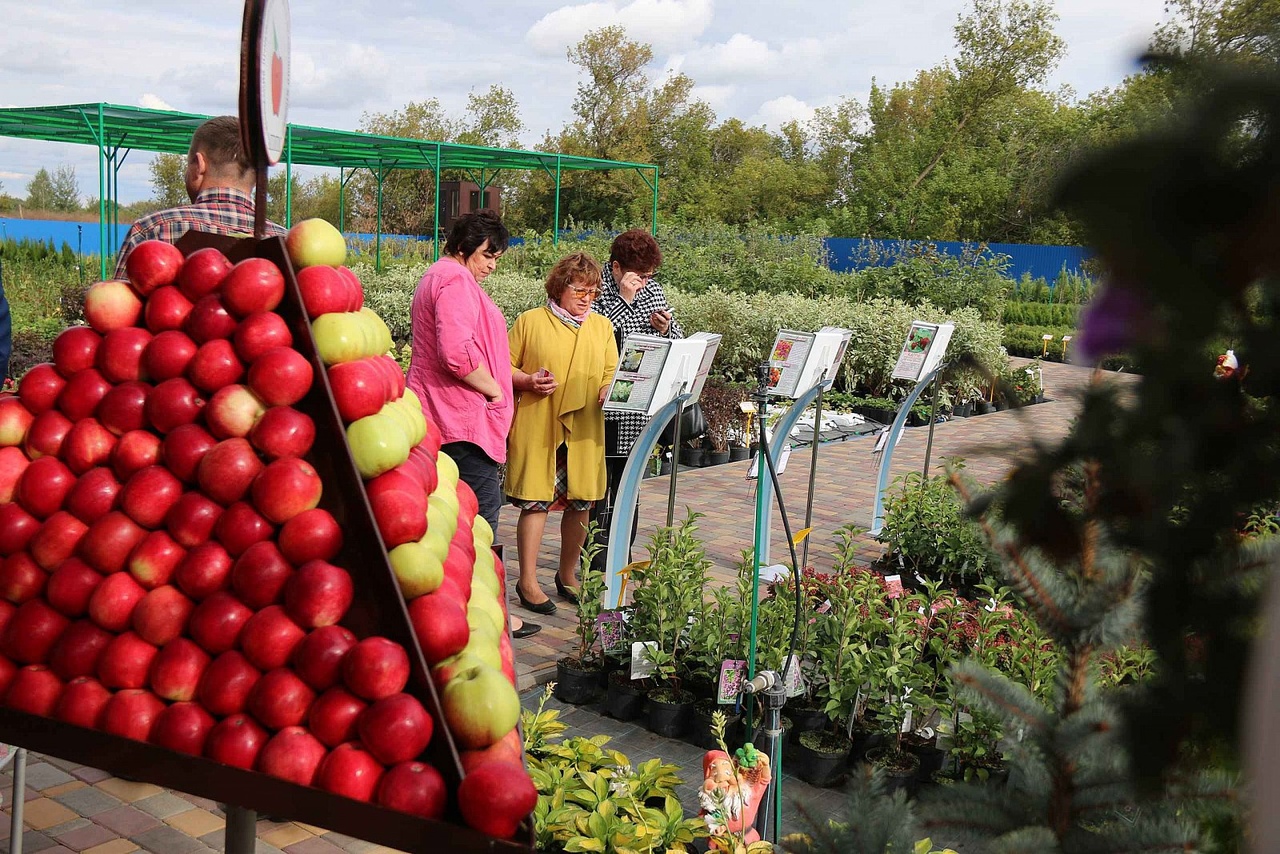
x: 589, y: 293
x: 645, y: 277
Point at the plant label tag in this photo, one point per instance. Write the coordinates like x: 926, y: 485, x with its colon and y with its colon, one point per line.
x: 642, y: 666
x: 893, y: 583
x: 732, y: 675
x: 792, y: 678
x: 824, y: 607
x: 610, y: 626
x: 906, y: 721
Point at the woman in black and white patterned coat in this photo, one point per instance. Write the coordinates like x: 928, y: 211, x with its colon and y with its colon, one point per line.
x: 634, y: 303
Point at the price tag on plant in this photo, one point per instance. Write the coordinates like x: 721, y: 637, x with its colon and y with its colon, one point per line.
x: 792, y: 678
x: 642, y: 665
x: 610, y: 626
x: 893, y: 583
x: 732, y: 674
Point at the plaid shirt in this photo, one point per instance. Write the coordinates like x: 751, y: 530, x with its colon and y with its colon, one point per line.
x: 221, y: 210
x: 626, y: 319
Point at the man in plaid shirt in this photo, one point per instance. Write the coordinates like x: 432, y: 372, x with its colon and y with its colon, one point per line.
x: 220, y: 182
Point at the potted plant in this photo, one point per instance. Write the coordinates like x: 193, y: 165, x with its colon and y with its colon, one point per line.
x: 897, y: 675
x: 719, y: 402
x: 578, y: 675
x: 692, y: 453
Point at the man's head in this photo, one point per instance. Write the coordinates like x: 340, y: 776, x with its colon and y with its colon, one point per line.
x: 216, y: 158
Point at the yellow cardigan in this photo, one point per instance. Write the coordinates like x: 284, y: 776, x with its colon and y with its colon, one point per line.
x: 582, y: 360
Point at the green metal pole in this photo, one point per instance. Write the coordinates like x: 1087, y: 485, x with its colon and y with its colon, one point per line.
x: 288, y: 176
x: 435, y: 223
x: 555, y: 227
x: 762, y: 523
x: 377, y: 259
x: 654, y: 228
x: 102, y: 198
x: 342, y: 208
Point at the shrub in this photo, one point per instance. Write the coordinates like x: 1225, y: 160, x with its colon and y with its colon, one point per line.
x: 925, y: 527
x: 1028, y: 341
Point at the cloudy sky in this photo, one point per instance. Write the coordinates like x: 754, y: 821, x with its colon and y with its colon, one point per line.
x: 763, y: 61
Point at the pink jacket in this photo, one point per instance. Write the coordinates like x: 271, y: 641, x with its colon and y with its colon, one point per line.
x: 456, y: 329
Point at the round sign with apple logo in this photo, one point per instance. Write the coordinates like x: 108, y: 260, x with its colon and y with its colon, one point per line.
x: 264, y: 79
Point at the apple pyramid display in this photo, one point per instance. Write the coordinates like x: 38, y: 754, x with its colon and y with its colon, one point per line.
x: 192, y: 554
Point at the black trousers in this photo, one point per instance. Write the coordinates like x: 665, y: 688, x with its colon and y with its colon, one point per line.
x: 480, y: 472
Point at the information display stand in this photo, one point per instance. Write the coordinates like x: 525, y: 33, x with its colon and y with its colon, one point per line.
x: 656, y: 377
x: 920, y: 361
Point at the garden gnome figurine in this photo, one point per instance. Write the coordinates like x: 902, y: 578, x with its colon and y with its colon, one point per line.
x: 1227, y: 365
x: 731, y: 793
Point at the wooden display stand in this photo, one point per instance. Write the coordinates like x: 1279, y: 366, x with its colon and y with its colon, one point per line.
x: 377, y: 609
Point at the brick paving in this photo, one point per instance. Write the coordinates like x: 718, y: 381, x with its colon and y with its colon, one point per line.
x: 75, y: 808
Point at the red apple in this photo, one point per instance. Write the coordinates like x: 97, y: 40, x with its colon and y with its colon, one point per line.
x: 403, y: 478
x: 94, y: 495
x: 260, y: 575
x: 253, y: 285
x: 318, y: 658
x: 111, y: 305
x: 12, y: 464
x: 280, y: 377
x: 44, y: 485
x: 204, y: 571
x: 355, y: 293
x: 112, y: 603
x: 283, y: 431
x: 79, y: 650
x: 192, y: 519
x: 149, y: 495
x: 120, y: 354
x: 161, y: 616
x: 395, y: 729
x: 209, y: 320
x: 34, y: 690
x: 183, y: 727
x: 47, y: 434
x: 153, y: 264
x: 154, y: 560
x: 375, y: 668
x: 260, y: 332
x: 357, y: 389
x: 109, y: 541
x: 168, y: 355
x: 56, y: 540
x: 440, y: 622
x: 177, y: 670
x: 130, y: 714
x: 167, y: 309
x: 183, y: 449
x: 414, y: 788
x: 285, y: 488
x: 280, y: 699
x: 496, y: 797
x: 226, y: 684
x: 82, y: 394
x: 124, y: 408
x: 126, y: 662
x: 233, y: 411
x: 324, y: 290
x: 8, y: 670
x: 82, y: 702
x: 318, y: 594
x: 15, y: 420
x: 227, y: 471
x: 75, y: 349
x: 217, y: 622
x: 214, y: 366
x: 351, y: 771
x: 236, y: 741
x: 507, y: 749
x: 39, y: 387
x: 173, y: 403
x: 70, y: 587
x: 134, y: 451
x: 203, y: 272
x: 292, y: 754
x: 21, y: 578
x: 401, y: 516
x: 269, y: 638
x: 32, y: 631
x: 17, y: 527
x: 311, y: 535
x: 334, y: 715
x: 240, y: 526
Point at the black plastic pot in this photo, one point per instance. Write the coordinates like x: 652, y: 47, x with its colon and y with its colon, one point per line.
x: 822, y: 768
x: 700, y: 734
x: 717, y: 458
x: 963, y: 410
x: 983, y: 407
x: 624, y: 700
x: 895, y: 778
x: 664, y: 467
x: 864, y: 740
x: 738, y: 453
x: 691, y: 457
x: 931, y: 758
x: 806, y: 720
x: 576, y: 684
x: 669, y: 718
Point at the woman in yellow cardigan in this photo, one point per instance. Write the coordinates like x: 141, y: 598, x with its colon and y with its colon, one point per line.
x: 563, y: 357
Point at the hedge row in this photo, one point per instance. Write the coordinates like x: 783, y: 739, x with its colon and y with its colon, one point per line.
x: 1026, y: 340
x: 1040, y: 314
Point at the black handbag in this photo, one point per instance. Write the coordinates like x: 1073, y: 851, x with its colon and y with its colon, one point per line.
x: 692, y: 425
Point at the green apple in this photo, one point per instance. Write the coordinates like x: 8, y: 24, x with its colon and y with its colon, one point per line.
x: 446, y: 470
x: 445, y: 506
x: 436, y: 540
x: 481, y: 532
x: 480, y: 646
x: 443, y: 672
x: 376, y: 445
x: 379, y: 333
x: 480, y: 706
x: 485, y: 605
x: 486, y: 581
x: 417, y: 569
x: 484, y: 564
x: 338, y: 337
x: 314, y: 243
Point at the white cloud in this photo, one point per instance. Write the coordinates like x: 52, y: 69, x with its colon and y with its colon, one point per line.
x: 717, y: 96
x: 745, y: 57
x: 153, y: 102
x: 776, y: 112
x: 13, y: 176
x: 662, y: 24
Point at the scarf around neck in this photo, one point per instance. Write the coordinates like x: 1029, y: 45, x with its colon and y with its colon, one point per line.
x: 573, y: 321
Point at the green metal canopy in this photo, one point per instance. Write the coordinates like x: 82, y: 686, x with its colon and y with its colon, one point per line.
x: 117, y: 130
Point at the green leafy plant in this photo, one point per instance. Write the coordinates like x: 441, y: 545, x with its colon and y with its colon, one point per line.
x: 591, y: 591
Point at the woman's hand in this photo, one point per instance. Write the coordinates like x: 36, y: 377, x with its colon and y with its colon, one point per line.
x: 661, y: 321
x: 543, y: 382
x: 630, y: 285
x: 604, y: 392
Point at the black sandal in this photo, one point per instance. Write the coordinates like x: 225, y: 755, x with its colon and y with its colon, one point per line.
x: 527, y: 629
x: 547, y: 607
x: 569, y: 594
